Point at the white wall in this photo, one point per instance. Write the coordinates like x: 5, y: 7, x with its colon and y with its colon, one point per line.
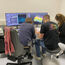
x: 9, y: 6
x: 62, y: 8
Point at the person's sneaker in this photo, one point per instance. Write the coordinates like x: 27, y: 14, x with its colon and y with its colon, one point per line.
x: 36, y: 57
x: 44, y: 55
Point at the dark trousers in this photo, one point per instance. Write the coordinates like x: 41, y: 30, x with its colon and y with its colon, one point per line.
x: 39, y: 43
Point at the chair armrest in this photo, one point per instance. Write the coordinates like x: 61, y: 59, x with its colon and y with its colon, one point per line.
x: 54, y: 51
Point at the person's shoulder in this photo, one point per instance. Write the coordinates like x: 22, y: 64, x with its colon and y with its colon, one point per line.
x: 52, y: 22
x: 47, y: 23
x: 30, y: 25
x: 64, y: 23
x: 27, y: 24
x: 43, y: 24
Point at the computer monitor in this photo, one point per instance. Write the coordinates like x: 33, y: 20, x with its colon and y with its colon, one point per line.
x: 13, y: 19
x: 37, y: 17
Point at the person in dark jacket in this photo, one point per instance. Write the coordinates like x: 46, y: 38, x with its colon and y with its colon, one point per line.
x: 49, y: 32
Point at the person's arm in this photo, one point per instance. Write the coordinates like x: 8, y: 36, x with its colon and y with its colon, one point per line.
x: 41, y: 35
x: 33, y: 32
x: 62, y: 31
x: 42, y: 31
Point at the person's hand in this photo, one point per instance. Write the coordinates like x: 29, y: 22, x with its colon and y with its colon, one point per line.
x: 41, y: 35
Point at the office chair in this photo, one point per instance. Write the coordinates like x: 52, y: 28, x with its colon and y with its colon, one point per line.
x: 19, y: 53
x: 53, y: 52
x: 62, y: 51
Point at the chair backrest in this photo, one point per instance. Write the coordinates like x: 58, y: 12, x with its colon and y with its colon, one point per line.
x: 54, y: 51
x: 19, y: 48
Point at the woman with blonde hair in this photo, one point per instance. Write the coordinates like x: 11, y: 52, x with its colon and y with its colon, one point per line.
x: 61, y: 23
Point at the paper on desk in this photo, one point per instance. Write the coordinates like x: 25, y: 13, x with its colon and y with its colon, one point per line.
x: 1, y: 30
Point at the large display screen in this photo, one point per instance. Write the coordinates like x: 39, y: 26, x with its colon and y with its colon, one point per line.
x: 18, y: 18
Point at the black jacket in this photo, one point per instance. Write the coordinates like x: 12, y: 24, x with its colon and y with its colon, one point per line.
x: 62, y: 33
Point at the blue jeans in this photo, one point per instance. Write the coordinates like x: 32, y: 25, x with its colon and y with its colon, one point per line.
x: 39, y: 43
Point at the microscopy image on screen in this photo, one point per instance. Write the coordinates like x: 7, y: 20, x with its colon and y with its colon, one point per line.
x: 37, y: 17
x: 21, y: 18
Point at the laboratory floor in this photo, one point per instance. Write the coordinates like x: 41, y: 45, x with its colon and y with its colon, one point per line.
x: 45, y: 61
x: 48, y: 60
